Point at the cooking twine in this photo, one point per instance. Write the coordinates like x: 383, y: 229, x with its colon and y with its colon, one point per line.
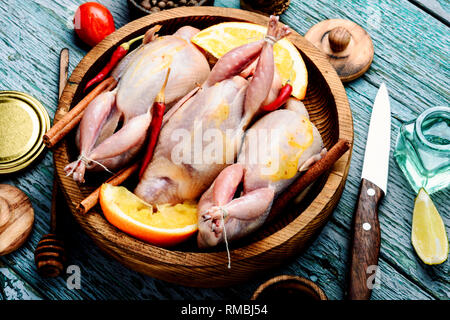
x: 224, y: 214
x: 86, y: 161
x: 270, y: 39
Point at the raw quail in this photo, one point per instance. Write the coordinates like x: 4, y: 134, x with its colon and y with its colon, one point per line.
x: 291, y: 144
x: 219, y: 113
x: 103, y: 143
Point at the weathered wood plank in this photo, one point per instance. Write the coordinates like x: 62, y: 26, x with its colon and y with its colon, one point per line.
x: 13, y: 287
x: 416, y: 74
x: 361, y: 94
x: 325, y: 263
x: 410, y: 47
x: 403, y: 38
x: 396, y: 209
x: 438, y: 9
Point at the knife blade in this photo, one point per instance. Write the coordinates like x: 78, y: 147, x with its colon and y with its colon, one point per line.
x: 376, y: 156
x: 373, y: 187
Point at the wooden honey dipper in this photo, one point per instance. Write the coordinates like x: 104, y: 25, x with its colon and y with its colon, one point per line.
x: 49, y: 255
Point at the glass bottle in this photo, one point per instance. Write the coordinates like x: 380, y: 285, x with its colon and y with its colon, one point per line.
x: 423, y: 150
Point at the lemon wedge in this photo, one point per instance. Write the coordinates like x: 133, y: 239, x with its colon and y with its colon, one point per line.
x: 428, y: 236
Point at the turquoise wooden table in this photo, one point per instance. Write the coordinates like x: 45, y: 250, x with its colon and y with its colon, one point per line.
x: 411, y: 40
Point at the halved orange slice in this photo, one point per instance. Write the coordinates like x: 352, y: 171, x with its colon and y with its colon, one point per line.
x: 165, y: 226
x: 221, y: 38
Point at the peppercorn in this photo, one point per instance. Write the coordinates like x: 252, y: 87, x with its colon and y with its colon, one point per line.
x: 146, y: 4
x: 158, y: 5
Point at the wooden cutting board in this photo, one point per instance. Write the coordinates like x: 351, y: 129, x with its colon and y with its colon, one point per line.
x: 16, y: 218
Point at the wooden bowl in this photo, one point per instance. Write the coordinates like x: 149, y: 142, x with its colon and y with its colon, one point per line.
x: 137, y: 10
x: 289, y: 288
x: 273, y: 244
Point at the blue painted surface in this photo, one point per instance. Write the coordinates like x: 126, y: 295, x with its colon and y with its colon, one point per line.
x: 411, y: 56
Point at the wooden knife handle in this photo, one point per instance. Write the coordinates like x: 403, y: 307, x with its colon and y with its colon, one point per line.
x: 366, y: 241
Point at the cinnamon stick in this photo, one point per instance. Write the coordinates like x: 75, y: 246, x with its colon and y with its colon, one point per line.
x: 61, y: 128
x: 316, y: 170
x: 88, y: 203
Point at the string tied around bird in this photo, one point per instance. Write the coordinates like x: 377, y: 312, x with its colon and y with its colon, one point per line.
x: 223, y: 215
x: 87, y: 161
x: 270, y: 39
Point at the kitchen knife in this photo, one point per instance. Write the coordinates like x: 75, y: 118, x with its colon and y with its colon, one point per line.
x: 366, y: 227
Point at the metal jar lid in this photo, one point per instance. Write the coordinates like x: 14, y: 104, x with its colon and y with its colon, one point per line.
x: 23, y: 122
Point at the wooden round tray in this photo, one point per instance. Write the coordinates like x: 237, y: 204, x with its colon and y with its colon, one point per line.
x: 271, y: 245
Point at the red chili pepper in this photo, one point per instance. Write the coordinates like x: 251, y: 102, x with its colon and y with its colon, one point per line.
x: 117, y: 55
x: 283, y: 96
x: 159, y: 107
x: 155, y: 128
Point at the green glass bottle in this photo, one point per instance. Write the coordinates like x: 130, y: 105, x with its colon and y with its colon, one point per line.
x: 423, y: 150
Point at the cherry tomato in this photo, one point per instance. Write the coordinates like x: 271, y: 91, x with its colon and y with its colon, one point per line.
x: 93, y: 22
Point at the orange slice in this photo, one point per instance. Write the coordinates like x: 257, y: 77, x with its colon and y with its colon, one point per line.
x: 221, y: 38
x: 165, y: 226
